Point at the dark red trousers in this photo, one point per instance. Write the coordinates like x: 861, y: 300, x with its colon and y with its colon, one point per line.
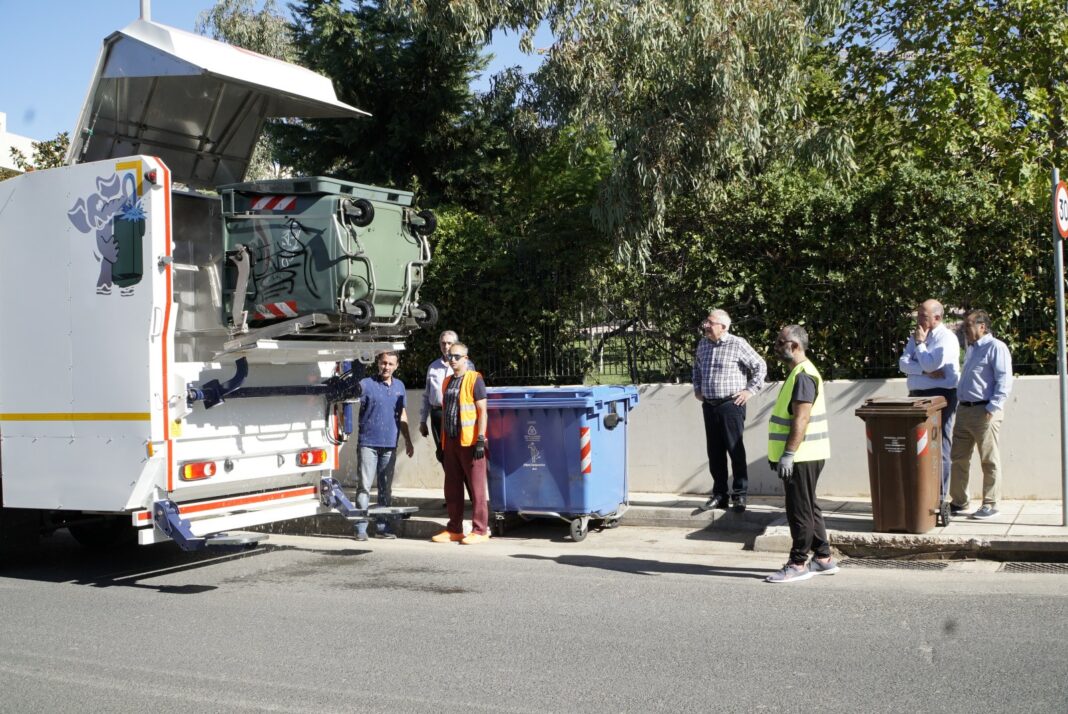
x: 464, y: 471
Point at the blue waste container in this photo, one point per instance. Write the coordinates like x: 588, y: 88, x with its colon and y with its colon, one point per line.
x: 559, y: 452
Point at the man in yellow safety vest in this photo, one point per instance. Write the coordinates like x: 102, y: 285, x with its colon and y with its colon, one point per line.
x: 798, y: 446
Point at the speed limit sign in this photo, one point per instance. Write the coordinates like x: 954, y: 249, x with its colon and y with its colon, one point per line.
x: 1060, y: 209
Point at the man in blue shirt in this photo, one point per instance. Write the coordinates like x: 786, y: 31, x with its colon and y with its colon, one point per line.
x: 985, y: 383
x: 383, y: 418
x: 932, y: 362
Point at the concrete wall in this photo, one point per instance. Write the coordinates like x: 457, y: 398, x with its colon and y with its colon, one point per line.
x: 667, y: 447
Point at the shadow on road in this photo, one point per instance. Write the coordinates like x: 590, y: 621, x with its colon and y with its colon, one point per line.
x: 61, y: 560
x: 640, y: 566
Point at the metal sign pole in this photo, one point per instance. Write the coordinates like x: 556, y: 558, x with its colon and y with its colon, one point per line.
x: 1062, y: 363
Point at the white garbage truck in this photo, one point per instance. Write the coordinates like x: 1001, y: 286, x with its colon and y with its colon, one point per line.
x: 175, y: 341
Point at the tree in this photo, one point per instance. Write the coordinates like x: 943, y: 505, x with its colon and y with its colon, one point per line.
x: 972, y: 83
x: 691, y: 94
x: 47, y: 154
x: 417, y: 92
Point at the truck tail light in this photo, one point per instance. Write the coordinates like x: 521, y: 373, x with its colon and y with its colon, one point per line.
x: 198, y: 470
x: 311, y: 457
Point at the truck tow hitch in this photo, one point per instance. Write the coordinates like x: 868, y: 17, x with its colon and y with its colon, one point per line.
x: 165, y: 513
x: 332, y: 496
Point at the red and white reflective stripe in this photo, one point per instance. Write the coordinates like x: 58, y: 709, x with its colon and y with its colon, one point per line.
x: 586, y: 449
x: 272, y: 310
x: 921, y: 441
x: 274, y: 203
x: 867, y: 434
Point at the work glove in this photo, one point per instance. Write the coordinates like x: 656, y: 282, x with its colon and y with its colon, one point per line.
x: 785, y: 467
x: 480, y: 448
x: 440, y: 454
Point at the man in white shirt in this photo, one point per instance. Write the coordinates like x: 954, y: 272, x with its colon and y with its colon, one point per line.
x: 931, y: 360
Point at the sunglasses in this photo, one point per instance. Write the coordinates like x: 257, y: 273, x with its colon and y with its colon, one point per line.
x: 452, y: 358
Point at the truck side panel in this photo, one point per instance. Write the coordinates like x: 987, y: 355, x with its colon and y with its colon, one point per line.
x: 83, y: 306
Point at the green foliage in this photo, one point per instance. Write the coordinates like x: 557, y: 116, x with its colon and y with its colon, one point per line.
x: 419, y: 134
x: 692, y: 94
x: 512, y: 285
x: 849, y: 262
x: 958, y: 82
x: 47, y: 154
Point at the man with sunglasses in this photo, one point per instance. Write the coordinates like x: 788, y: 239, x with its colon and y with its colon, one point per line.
x: 436, y: 373
x: 463, y: 440
x: 727, y: 371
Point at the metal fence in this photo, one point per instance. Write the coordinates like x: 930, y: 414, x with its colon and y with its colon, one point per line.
x: 626, y: 351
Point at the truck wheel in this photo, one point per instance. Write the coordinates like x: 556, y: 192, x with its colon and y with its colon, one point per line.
x: 20, y: 531
x: 106, y: 532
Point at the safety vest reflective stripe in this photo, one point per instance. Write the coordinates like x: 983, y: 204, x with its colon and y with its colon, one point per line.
x: 786, y: 422
x: 816, y: 444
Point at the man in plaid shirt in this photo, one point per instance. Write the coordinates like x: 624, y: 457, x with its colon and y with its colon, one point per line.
x: 726, y: 372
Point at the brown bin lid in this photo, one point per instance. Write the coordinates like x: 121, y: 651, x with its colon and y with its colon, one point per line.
x: 901, y: 406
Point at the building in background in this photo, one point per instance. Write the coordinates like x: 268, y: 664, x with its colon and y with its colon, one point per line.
x: 9, y: 141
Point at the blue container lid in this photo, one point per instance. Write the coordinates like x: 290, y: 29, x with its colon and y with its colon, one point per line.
x: 560, y: 397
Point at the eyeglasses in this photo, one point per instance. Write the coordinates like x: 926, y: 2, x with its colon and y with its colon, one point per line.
x: 453, y: 357
x: 447, y: 343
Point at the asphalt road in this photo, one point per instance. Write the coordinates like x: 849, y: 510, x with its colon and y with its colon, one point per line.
x: 629, y: 620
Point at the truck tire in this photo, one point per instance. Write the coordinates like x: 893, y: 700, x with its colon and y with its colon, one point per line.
x: 105, y: 532
x: 20, y: 531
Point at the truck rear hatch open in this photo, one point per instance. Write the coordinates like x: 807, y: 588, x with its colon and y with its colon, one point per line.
x: 197, y: 104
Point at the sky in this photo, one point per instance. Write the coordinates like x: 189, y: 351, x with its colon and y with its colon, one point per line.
x: 50, y: 50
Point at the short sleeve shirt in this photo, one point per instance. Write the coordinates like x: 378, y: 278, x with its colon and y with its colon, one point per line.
x: 805, y: 390
x: 381, y: 405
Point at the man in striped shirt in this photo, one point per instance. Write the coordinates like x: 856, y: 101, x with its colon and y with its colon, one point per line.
x: 727, y: 371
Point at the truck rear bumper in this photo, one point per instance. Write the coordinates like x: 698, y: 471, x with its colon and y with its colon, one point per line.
x: 236, y: 512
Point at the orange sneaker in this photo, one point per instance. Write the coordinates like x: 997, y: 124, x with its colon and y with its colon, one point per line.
x: 472, y: 538
x: 447, y: 537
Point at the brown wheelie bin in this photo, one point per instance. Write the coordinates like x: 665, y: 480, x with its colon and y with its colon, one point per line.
x: 904, y: 462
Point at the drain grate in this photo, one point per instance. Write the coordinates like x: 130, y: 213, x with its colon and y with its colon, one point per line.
x: 881, y: 564
x: 1019, y: 567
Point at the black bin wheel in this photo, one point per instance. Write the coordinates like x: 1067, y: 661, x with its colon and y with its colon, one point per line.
x: 428, y: 315
x: 497, y: 527
x: 429, y: 224
x: 578, y: 530
x: 360, y: 211
x: 944, y: 514
x: 362, y: 312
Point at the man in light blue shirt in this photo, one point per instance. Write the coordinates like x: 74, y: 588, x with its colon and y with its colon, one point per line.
x: 985, y: 383
x: 931, y: 360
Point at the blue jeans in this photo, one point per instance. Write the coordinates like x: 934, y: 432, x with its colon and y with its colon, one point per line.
x: 376, y: 464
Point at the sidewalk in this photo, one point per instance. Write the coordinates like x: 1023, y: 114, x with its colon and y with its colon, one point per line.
x: 1023, y: 530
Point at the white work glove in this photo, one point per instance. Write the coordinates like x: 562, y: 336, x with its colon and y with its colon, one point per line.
x: 785, y: 467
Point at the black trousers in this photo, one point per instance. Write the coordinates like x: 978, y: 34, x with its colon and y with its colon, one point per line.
x: 803, y: 513
x: 435, y: 425
x: 724, y: 427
